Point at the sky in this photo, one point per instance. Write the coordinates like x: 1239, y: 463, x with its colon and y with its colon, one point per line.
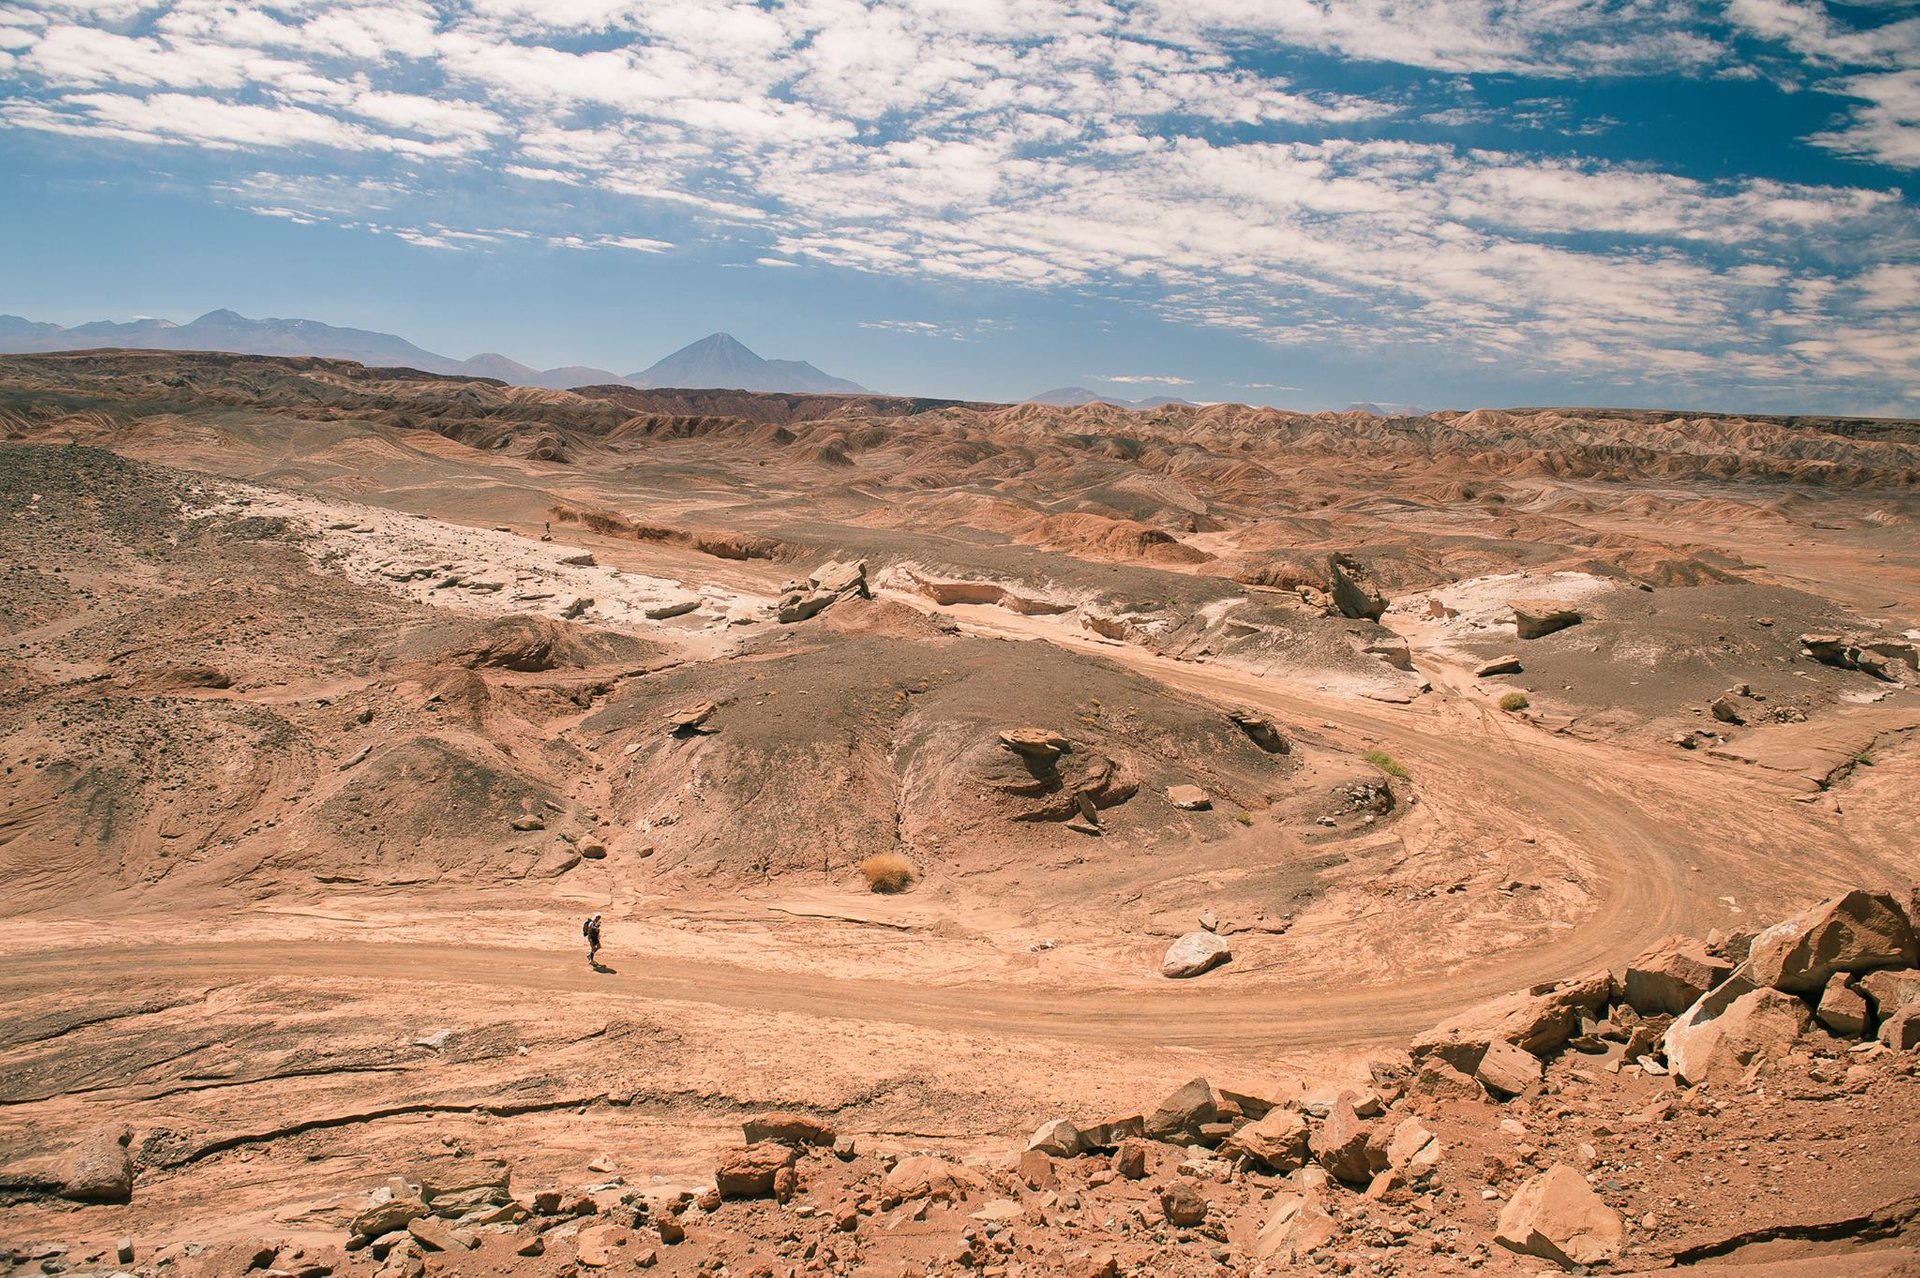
x: 1442, y: 203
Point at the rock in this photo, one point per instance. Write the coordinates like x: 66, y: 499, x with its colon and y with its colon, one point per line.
x: 788, y: 1128
x: 583, y: 559
x: 749, y: 1172
x: 1059, y: 1138
x: 1508, y: 664
x: 689, y: 718
x: 576, y: 608
x: 1726, y: 710
x: 1130, y: 1160
x: 1260, y: 730
x: 1843, y: 1009
x: 98, y: 1169
x: 924, y: 1176
x: 1831, y: 650
x: 1671, y: 976
x: 1099, y: 1264
x: 436, y: 1235
x: 527, y: 822
x: 1855, y: 932
x: 679, y: 608
x: 1181, y: 1115
x: 1507, y: 1070
x: 123, y: 1251
x: 1719, y: 1037
x: 1182, y: 1202
x: 1278, y: 1142
x: 1341, y: 1145
x: 598, y: 1244
x: 1189, y: 798
x: 1193, y: 954
x: 1296, y: 1227
x: 1440, y: 1081
x: 553, y: 863
x: 1114, y: 1131
x: 1412, y: 1150
x: 1901, y: 1030
x: 1890, y: 989
x: 593, y: 851
x: 1354, y: 593
x: 1537, y: 618
x: 1539, y: 1020
x: 1037, y: 745
x: 1558, y: 1217
x: 1036, y: 1171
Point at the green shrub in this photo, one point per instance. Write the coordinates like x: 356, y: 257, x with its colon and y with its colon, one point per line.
x: 1514, y: 701
x: 1385, y: 762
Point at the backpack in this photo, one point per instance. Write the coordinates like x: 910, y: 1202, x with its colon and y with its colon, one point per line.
x: 586, y: 929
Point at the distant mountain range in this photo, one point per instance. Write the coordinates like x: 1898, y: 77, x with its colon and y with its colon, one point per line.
x: 718, y: 362
x: 1073, y: 396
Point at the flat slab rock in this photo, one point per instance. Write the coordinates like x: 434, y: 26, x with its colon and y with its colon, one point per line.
x: 1194, y: 953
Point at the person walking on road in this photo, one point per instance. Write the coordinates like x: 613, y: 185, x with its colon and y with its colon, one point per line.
x: 591, y: 930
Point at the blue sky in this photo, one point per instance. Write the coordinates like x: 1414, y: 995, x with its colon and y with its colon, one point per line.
x: 1435, y: 202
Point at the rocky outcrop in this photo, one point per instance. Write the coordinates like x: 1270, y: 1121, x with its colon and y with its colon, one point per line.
x: 1260, y: 730
x: 1538, y: 618
x: 1189, y: 798
x: 829, y: 584
x: 797, y: 1130
x: 1557, y: 1216
x: 1539, y: 1020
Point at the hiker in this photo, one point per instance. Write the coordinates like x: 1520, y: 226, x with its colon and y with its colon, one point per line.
x: 591, y: 930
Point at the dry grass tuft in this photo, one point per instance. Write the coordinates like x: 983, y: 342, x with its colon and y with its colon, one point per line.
x: 887, y: 872
x: 1514, y: 701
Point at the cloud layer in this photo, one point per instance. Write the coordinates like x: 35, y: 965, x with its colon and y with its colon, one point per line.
x: 1155, y: 153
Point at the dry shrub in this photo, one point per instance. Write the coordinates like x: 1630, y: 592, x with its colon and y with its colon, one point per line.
x: 1514, y: 701
x: 887, y: 872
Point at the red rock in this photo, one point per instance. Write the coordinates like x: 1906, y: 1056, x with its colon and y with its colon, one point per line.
x: 1716, y: 1046
x: 1671, y: 976
x: 1507, y: 1070
x: 1539, y: 1020
x: 1843, y: 1009
x: 788, y: 1128
x: 749, y: 1172
x: 1855, y: 932
x: 1558, y: 1217
x: 1901, y: 1031
x: 1890, y: 989
x: 1130, y: 1160
x: 1277, y: 1142
x: 1182, y: 1202
x: 1340, y: 1145
x: 1181, y: 1114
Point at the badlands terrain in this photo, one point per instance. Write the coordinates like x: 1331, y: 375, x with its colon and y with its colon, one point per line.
x: 333, y: 698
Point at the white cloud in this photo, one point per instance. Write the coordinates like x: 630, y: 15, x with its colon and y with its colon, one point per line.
x: 1144, y: 379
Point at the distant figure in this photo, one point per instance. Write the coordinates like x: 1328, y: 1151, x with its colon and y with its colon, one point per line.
x: 591, y: 930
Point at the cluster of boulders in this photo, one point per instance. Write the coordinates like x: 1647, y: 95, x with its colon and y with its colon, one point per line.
x: 829, y: 584
x: 1878, y: 657
x: 1060, y: 781
x: 410, y: 1216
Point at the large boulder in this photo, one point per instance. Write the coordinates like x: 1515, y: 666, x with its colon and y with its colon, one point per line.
x: 1354, y: 593
x: 1181, y: 1115
x: 98, y: 1169
x: 1540, y: 1020
x: 388, y: 1215
x: 1344, y: 1145
x: 1719, y: 1038
x: 752, y: 1172
x: 1278, y: 1142
x: 1558, y: 1217
x: 1857, y: 931
x: 1193, y: 954
x: 1537, y: 618
x: 1412, y: 1149
x: 1671, y: 976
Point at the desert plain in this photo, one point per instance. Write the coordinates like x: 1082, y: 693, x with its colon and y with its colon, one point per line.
x: 333, y: 698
